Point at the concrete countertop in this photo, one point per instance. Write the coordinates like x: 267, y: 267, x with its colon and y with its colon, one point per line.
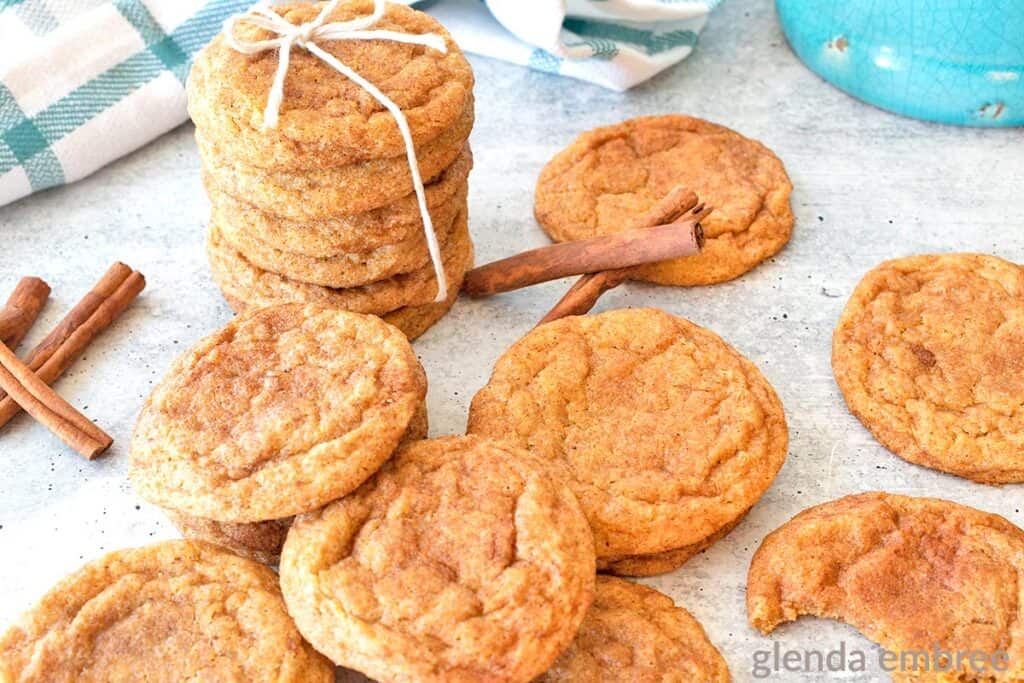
x: 868, y: 186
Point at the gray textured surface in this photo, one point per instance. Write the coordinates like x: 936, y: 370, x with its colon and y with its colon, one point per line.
x: 869, y: 186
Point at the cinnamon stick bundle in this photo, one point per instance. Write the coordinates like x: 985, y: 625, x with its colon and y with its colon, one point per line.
x: 22, y: 309
x: 49, y: 409
x: 632, y: 247
x: 95, y: 312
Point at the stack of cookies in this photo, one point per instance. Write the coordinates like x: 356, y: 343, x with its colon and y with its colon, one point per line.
x: 322, y: 206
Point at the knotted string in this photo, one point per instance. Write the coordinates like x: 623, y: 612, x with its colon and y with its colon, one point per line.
x: 305, y: 36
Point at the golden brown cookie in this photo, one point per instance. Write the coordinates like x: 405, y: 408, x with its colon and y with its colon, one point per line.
x: 929, y: 354
x: 667, y: 433
x: 663, y: 562
x: 319, y: 194
x: 634, y: 634
x: 262, y: 541
x: 609, y: 175
x: 257, y: 541
x: 462, y: 559
x: 349, y: 269
x: 396, y: 225
x: 416, y: 320
x: 171, y: 611
x: 909, y: 573
x: 245, y: 286
x: 326, y: 119
x: 280, y: 412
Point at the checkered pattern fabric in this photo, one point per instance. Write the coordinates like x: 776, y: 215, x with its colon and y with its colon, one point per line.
x: 91, y: 81
x: 83, y: 82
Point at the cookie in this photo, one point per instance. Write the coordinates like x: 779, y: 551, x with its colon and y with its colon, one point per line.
x: 667, y: 434
x: 257, y: 541
x: 396, y: 225
x: 246, y: 286
x: 349, y: 269
x: 170, y: 611
x: 912, y: 574
x: 414, y: 321
x: 318, y: 194
x: 280, y: 412
x: 262, y: 541
x: 633, y: 634
x: 327, y: 120
x: 609, y: 175
x: 929, y: 354
x: 663, y: 562
x: 462, y: 559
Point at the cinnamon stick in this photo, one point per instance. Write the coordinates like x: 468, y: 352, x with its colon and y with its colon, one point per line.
x: 22, y: 309
x: 585, y: 292
x: 42, y: 403
x: 95, y: 312
x: 610, y: 252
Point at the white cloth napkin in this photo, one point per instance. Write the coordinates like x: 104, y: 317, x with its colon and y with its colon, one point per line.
x: 83, y: 82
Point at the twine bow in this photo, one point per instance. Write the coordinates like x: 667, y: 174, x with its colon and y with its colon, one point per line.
x: 306, y: 36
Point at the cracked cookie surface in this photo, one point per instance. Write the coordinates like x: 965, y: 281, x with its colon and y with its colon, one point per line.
x: 462, y: 559
x: 326, y: 119
x: 906, y: 572
x: 667, y: 433
x: 929, y: 354
x: 262, y: 541
x: 168, y: 612
x: 634, y: 634
x: 279, y: 412
x: 609, y: 175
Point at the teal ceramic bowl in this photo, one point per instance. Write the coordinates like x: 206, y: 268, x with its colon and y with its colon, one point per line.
x: 950, y: 61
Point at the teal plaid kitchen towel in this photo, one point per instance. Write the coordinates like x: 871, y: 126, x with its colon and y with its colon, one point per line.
x: 83, y: 82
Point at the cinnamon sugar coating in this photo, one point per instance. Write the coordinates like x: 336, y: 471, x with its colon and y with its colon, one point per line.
x: 609, y: 175
x: 634, y: 634
x: 395, y: 228
x: 909, y: 573
x: 326, y: 120
x: 929, y: 354
x: 247, y: 286
x: 163, y: 613
x: 280, y: 412
x: 322, y: 194
x: 262, y: 541
x: 462, y: 559
x: 667, y: 434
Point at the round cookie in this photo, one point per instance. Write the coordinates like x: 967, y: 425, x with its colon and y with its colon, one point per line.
x: 609, y: 175
x: 929, y: 354
x: 318, y: 194
x: 350, y: 269
x: 246, y: 286
x: 654, y: 564
x: 326, y: 120
x: 141, y: 614
x: 262, y: 541
x: 634, y: 634
x: 397, y: 225
x: 667, y: 434
x: 911, y: 574
x: 280, y: 412
x: 462, y: 559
